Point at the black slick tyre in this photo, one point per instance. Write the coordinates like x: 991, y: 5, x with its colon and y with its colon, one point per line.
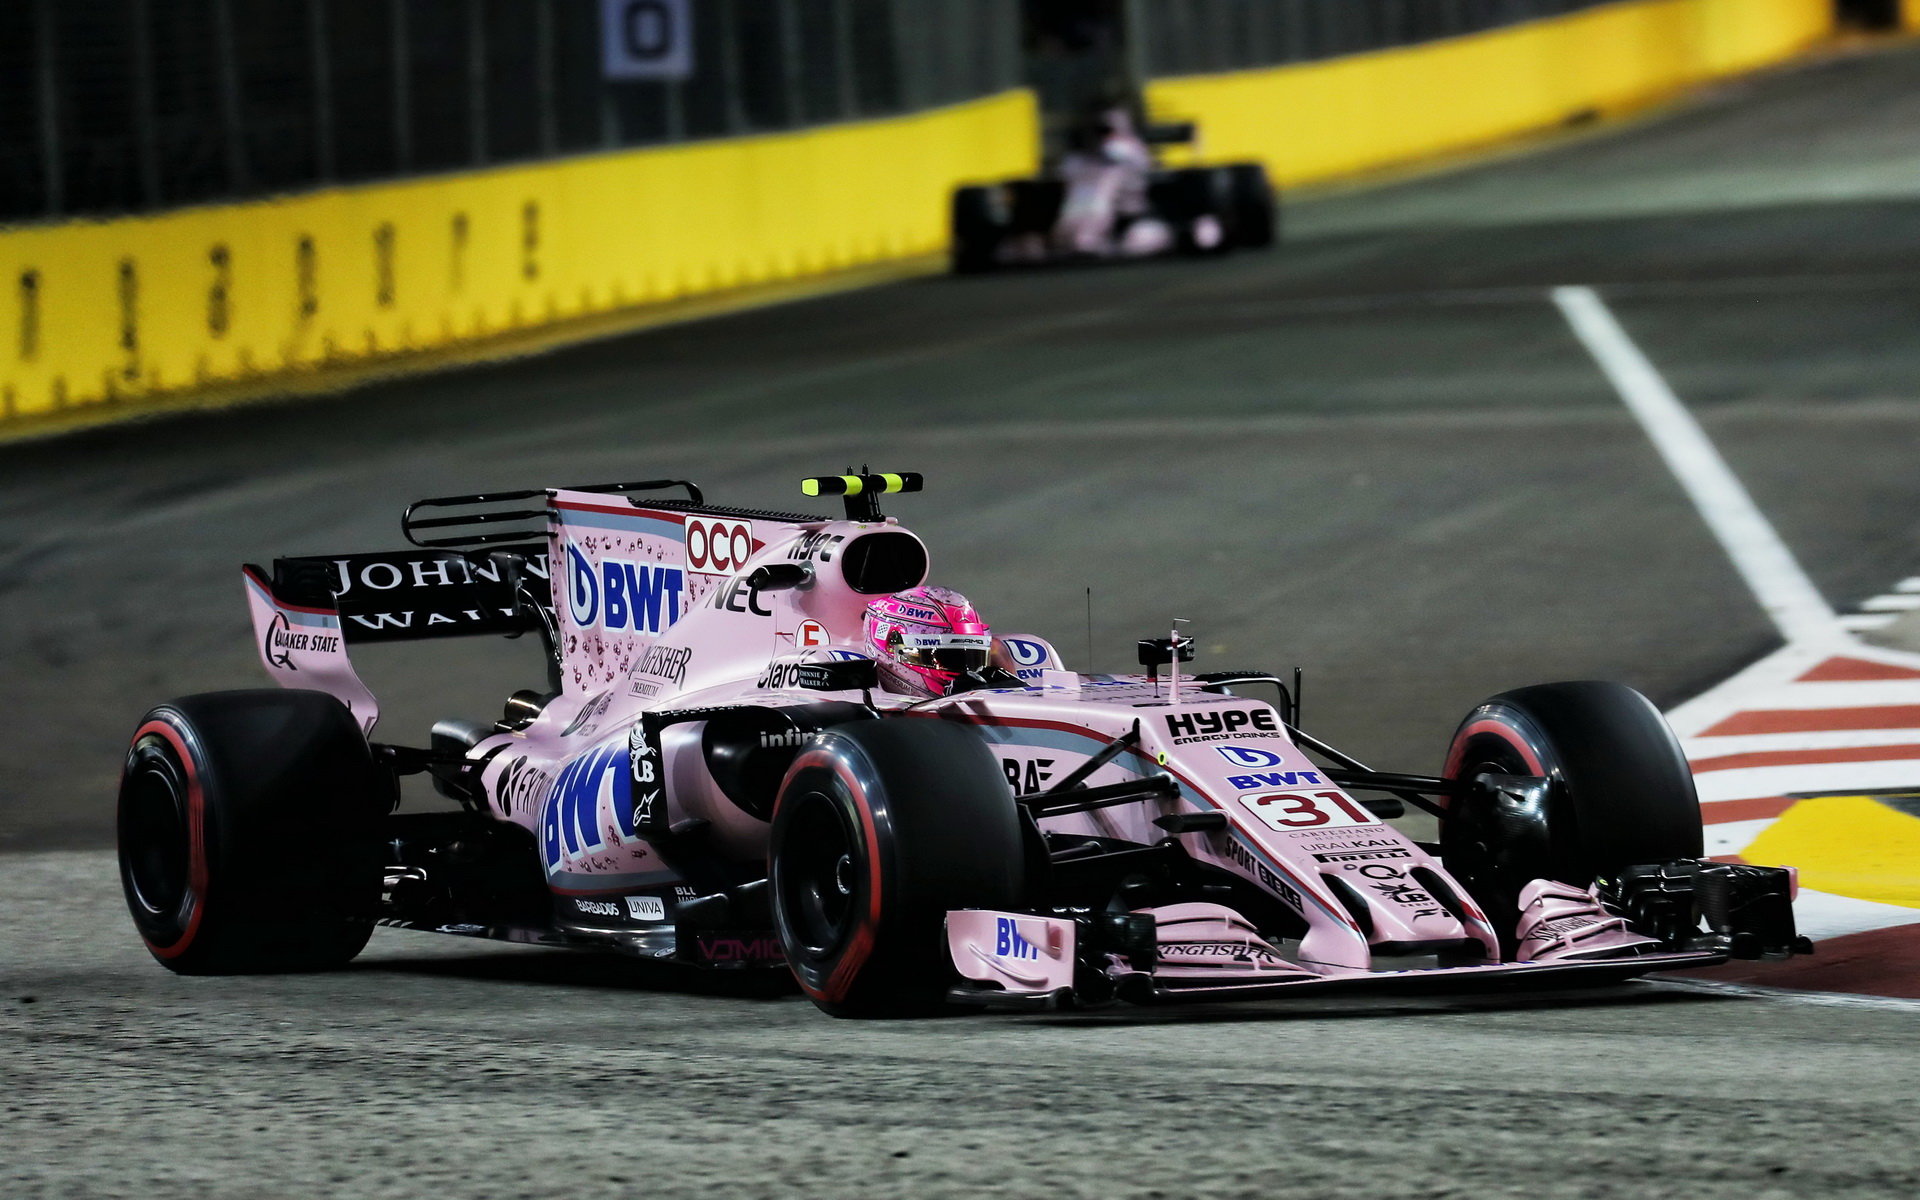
x: 1256, y: 208
x: 978, y: 224
x: 1619, y: 792
x: 248, y: 829
x: 880, y: 828
x: 1190, y: 195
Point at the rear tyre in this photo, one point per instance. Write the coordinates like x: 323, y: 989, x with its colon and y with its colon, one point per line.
x: 1198, y: 202
x: 1619, y: 792
x: 881, y: 827
x: 979, y: 222
x: 248, y: 832
x: 1256, y: 209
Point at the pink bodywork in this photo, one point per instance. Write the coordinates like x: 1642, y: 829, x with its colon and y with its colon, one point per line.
x: 654, y: 614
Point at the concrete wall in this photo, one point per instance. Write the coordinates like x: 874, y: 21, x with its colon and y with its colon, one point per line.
x: 119, y: 311
x: 1322, y: 120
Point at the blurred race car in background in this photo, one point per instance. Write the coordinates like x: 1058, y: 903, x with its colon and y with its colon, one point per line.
x: 716, y: 773
x: 1108, y: 197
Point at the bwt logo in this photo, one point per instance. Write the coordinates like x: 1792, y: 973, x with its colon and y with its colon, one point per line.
x: 571, y: 826
x: 1247, y: 783
x: 622, y: 596
x: 1025, y: 653
x: 1009, y: 944
x: 1248, y: 756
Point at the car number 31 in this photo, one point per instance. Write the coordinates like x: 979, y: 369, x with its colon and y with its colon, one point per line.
x: 1307, y: 810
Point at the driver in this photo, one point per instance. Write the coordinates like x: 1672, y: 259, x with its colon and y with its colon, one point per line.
x: 1105, y: 209
x: 926, y: 640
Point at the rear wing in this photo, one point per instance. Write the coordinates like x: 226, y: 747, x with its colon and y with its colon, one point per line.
x: 406, y: 595
x: 481, y: 564
x: 479, y: 567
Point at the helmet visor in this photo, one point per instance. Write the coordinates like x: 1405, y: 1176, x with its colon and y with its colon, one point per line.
x: 956, y: 652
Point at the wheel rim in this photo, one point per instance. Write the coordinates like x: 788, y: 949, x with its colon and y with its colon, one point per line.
x: 155, y: 832
x: 1485, y: 844
x: 817, y: 878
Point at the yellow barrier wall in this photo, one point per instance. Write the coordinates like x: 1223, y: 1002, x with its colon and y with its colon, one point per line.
x: 1318, y: 121
x: 117, y: 310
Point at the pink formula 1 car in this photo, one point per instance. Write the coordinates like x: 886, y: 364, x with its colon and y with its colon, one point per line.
x: 715, y: 775
x: 1108, y: 197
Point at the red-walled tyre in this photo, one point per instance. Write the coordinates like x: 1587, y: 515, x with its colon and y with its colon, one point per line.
x: 880, y: 828
x: 249, y: 832
x: 1619, y: 791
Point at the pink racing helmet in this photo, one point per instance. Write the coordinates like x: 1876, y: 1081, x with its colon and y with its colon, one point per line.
x: 924, y: 638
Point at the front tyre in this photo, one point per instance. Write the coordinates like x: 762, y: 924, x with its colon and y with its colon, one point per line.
x: 880, y: 828
x: 1619, y: 791
x: 248, y: 832
x: 1256, y: 208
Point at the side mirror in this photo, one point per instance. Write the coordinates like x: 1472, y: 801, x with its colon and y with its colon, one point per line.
x: 778, y: 577
x: 1169, y: 133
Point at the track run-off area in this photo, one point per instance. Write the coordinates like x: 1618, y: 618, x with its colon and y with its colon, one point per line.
x: 1643, y: 404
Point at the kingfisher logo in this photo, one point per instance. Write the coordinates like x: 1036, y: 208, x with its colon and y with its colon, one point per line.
x: 1249, y: 756
x: 1008, y: 943
x: 621, y: 596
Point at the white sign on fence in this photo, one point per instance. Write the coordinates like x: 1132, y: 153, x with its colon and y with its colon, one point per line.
x: 646, y: 39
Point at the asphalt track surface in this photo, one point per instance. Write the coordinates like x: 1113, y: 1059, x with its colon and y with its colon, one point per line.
x: 1378, y: 453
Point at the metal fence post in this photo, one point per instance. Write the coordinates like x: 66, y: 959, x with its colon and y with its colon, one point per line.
x: 402, y: 87
x: 146, y: 153
x: 47, y: 85
x: 848, y: 92
x: 477, y: 82
x: 1137, y: 31
x: 730, y: 66
x: 793, y: 63
x: 547, y: 95
x: 320, y: 60
x: 675, y: 95
x: 232, y: 127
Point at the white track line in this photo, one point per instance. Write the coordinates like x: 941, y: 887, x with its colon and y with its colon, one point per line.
x: 1754, y: 991
x: 1827, y: 779
x: 1763, y: 560
x: 1703, y: 749
x: 1891, y: 604
x: 1859, y: 621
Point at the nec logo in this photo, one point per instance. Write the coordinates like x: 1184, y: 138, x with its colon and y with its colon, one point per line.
x: 716, y: 547
x: 1218, y: 725
x: 736, y: 595
x: 622, y: 596
x: 1008, y: 943
x: 1248, y: 756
